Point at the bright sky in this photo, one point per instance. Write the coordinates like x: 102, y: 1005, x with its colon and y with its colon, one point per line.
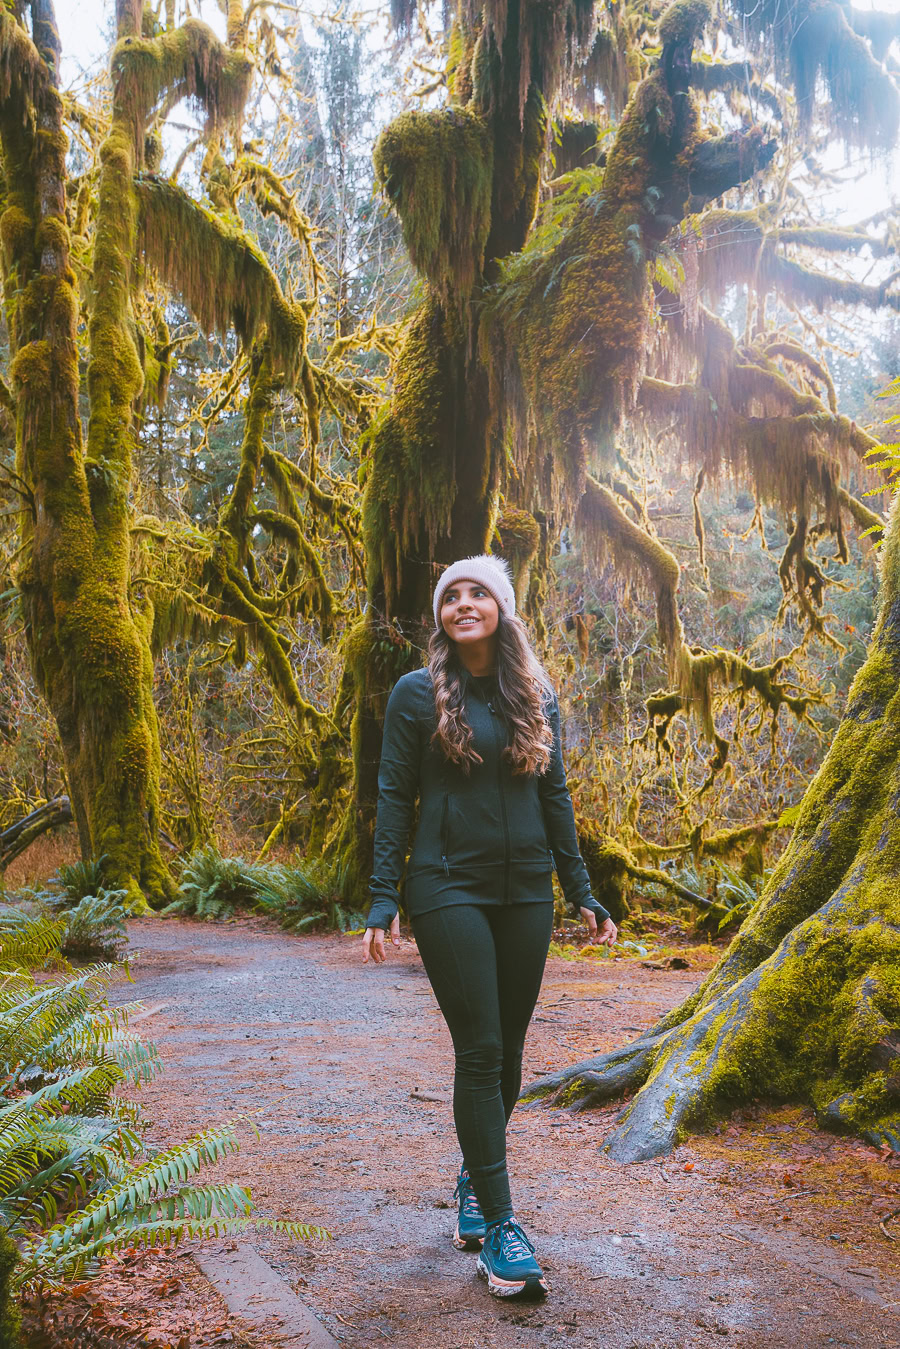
x: 85, y: 27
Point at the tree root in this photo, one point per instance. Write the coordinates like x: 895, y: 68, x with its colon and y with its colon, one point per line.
x: 595, y: 1081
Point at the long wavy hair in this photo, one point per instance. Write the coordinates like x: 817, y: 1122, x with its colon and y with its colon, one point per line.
x: 524, y: 692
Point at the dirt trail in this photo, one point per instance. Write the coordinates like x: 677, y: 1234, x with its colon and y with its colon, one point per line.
x: 736, y: 1249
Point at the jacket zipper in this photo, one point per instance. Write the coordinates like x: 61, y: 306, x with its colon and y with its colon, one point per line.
x: 506, y: 847
x: 444, y: 811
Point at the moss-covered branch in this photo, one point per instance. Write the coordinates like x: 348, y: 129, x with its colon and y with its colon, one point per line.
x: 436, y: 169
x: 817, y: 40
x: 184, y: 62
x: 696, y: 673
x: 230, y: 570
x: 219, y: 271
x: 567, y: 326
x: 744, y: 246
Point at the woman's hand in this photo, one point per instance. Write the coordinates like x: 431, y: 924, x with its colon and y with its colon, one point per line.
x: 373, y: 941
x: 607, y: 932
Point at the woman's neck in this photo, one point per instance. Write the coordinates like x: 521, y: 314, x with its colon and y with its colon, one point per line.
x: 478, y: 660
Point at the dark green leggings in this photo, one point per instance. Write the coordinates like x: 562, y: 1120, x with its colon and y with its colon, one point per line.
x: 485, y: 965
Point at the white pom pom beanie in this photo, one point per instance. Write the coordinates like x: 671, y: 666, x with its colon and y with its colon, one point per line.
x: 491, y: 572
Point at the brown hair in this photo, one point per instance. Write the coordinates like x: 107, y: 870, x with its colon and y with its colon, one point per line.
x: 523, y: 692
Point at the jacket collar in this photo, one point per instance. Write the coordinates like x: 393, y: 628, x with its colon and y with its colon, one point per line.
x: 469, y: 682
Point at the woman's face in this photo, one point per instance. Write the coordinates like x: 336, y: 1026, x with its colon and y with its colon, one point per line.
x: 469, y: 613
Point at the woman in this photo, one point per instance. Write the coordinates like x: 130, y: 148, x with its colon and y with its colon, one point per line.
x: 475, y: 736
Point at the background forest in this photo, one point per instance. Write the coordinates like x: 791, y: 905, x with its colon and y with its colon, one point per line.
x: 299, y: 308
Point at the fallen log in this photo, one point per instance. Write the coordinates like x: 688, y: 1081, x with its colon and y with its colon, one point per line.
x: 19, y: 836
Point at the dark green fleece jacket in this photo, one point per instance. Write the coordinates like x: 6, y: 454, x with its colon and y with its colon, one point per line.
x: 484, y: 837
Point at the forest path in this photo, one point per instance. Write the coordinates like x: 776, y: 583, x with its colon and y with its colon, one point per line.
x: 647, y: 1256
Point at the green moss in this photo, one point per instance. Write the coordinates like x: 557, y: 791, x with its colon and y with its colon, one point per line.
x: 220, y: 272
x: 519, y: 536
x: 572, y: 322
x: 411, y: 485
x: 684, y: 21
x: 10, y: 1320
x: 609, y: 867
x: 519, y: 149
x: 184, y: 62
x: 436, y: 169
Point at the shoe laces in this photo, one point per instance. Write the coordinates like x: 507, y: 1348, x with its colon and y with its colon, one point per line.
x: 465, y: 1193
x: 509, y: 1238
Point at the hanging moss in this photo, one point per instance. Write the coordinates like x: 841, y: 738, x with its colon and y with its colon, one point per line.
x: 711, y: 76
x: 220, y: 272
x: 184, y: 62
x: 819, y: 39
x: 566, y: 331
x: 683, y: 22
x: 607, y: 68
x: 519, y: 149
x: 539, y: 46
x: 519, y: 535
x: 436, y: 169
x: 411, y: 485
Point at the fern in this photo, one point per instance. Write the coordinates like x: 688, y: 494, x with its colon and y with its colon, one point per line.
x: 214, y: 887
x: 96, y: 926
x: 79, y: 879
x: 75, y: 1180
x: 27, y: 939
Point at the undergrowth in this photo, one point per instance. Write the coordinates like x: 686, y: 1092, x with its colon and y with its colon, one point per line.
x: 77, y: 1180
x: 299, y: 897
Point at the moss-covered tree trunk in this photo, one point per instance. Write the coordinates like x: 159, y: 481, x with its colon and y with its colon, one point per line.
x: 549, y: 382
x: 464, y: 181
x: 88, y: 645
x: 806, y: 1002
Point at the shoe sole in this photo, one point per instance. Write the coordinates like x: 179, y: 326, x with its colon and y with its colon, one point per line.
x: 466, y: 1243
x: 522, y: 1288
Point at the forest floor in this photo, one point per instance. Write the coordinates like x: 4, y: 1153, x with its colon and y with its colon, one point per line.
x: 764, y: 1232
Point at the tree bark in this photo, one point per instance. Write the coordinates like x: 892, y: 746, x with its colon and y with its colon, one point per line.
x: 89, y: 648
x: 805, y: 1004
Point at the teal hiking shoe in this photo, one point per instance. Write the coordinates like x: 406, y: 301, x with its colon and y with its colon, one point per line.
x: 469, y: 1232
x: 507, y: 1262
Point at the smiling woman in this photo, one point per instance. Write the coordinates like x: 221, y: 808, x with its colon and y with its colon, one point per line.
x: 475, y: 737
